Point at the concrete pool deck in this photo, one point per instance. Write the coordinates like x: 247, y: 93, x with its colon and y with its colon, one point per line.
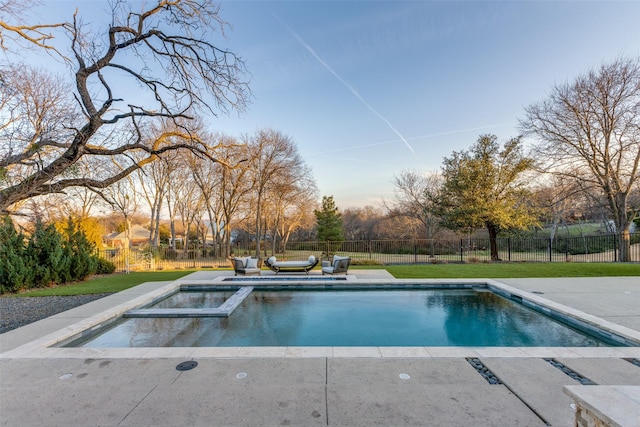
x: 313, y: 386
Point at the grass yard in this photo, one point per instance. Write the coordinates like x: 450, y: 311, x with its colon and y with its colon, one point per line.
x: 512, y: 270
x: 119, y: 282
x: 104, y: 284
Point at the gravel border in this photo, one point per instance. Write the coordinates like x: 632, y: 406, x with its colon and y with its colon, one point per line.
x: 20, y: 311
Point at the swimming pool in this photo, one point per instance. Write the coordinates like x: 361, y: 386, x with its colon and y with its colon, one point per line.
x: 470, y: 316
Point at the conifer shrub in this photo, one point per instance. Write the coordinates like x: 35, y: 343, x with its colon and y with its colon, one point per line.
x: 80, y: 251
x: 14, y: 274
x: 47, y: 256
x: 104, y: 266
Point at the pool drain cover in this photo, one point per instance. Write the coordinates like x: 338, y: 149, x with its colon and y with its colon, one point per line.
x: 186, y: 366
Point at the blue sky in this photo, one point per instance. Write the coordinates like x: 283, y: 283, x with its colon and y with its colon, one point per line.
x: 368, y: 89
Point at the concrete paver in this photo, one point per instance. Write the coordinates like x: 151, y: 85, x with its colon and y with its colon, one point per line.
x: 607, y: 371
x: 77, y: 392
x: 239, y: 392
x: 438, y: 392
x: 538, y: 384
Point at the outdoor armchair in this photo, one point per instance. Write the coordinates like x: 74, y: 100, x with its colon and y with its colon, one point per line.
x: 246, y: 266
x: 338, y: 265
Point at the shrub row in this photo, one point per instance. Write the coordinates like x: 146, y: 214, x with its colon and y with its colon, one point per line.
x: 47, y: 257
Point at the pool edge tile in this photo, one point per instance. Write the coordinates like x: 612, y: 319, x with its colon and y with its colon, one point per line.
x: 304, y: 352
x: 392, y: 352
x: 371, y: 352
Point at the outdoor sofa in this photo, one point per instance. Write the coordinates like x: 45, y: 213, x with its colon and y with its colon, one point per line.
x: 291, y: 266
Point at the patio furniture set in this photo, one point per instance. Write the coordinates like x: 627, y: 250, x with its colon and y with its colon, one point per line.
x: 249, y: 266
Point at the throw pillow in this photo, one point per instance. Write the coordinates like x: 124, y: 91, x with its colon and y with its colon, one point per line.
x: 272, y: 260
x: 312, y: 259
x: 252, y: 263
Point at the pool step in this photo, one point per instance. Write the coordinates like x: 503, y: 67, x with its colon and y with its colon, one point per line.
x: 224, y: 310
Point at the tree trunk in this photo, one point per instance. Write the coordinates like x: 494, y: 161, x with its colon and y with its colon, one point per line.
x: 554, y: 229
x: 258, y: 226
x: 493, y: 241
x: 226, y: 251
x: 623, y: 226
x: 172, y: 224
x: 156, y: 230
x: 624, y: 245
x: 432, y: 248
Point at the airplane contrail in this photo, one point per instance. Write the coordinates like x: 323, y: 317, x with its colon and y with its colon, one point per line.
x: 375, y: 144
x: 345, y: 84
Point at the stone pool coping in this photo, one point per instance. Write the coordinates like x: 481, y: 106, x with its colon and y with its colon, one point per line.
x: 116, y: 305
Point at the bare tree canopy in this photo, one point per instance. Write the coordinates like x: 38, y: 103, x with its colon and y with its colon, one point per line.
x: 150, y: 67
x: 414, y: 195
x: 23, y: 35
x: 276, y: 172
x: 589, y: 130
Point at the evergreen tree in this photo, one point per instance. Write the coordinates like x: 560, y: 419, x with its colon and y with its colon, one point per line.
x: 50, y: 261
x: 486, y: 186
x: 329, y: 221
x: 14, y: 272
x: 81, y: 252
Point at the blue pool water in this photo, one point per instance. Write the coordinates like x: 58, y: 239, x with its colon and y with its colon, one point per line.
x: 439, y: 317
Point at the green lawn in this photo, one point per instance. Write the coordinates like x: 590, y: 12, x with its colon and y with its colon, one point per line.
x: 111, y: 283
x: 119, y: 282
x: 512, y: 270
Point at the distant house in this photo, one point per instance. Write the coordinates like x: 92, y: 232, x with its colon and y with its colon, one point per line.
x: 138, y: 235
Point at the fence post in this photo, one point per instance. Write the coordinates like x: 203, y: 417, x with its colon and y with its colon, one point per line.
x: 509, y: 248
x: 550, y: 243
x: 461, y: 251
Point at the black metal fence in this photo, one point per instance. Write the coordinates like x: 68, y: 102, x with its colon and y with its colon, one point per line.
x: 602, y: 248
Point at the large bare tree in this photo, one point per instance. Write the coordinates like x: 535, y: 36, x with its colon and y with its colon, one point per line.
x: 589, y: 131
x: 414, y: 195
x: 274, y: 160
x: 234, y: 191
x: 152, y: 64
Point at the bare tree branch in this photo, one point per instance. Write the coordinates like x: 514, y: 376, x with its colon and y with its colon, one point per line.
x: 165, y: 50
